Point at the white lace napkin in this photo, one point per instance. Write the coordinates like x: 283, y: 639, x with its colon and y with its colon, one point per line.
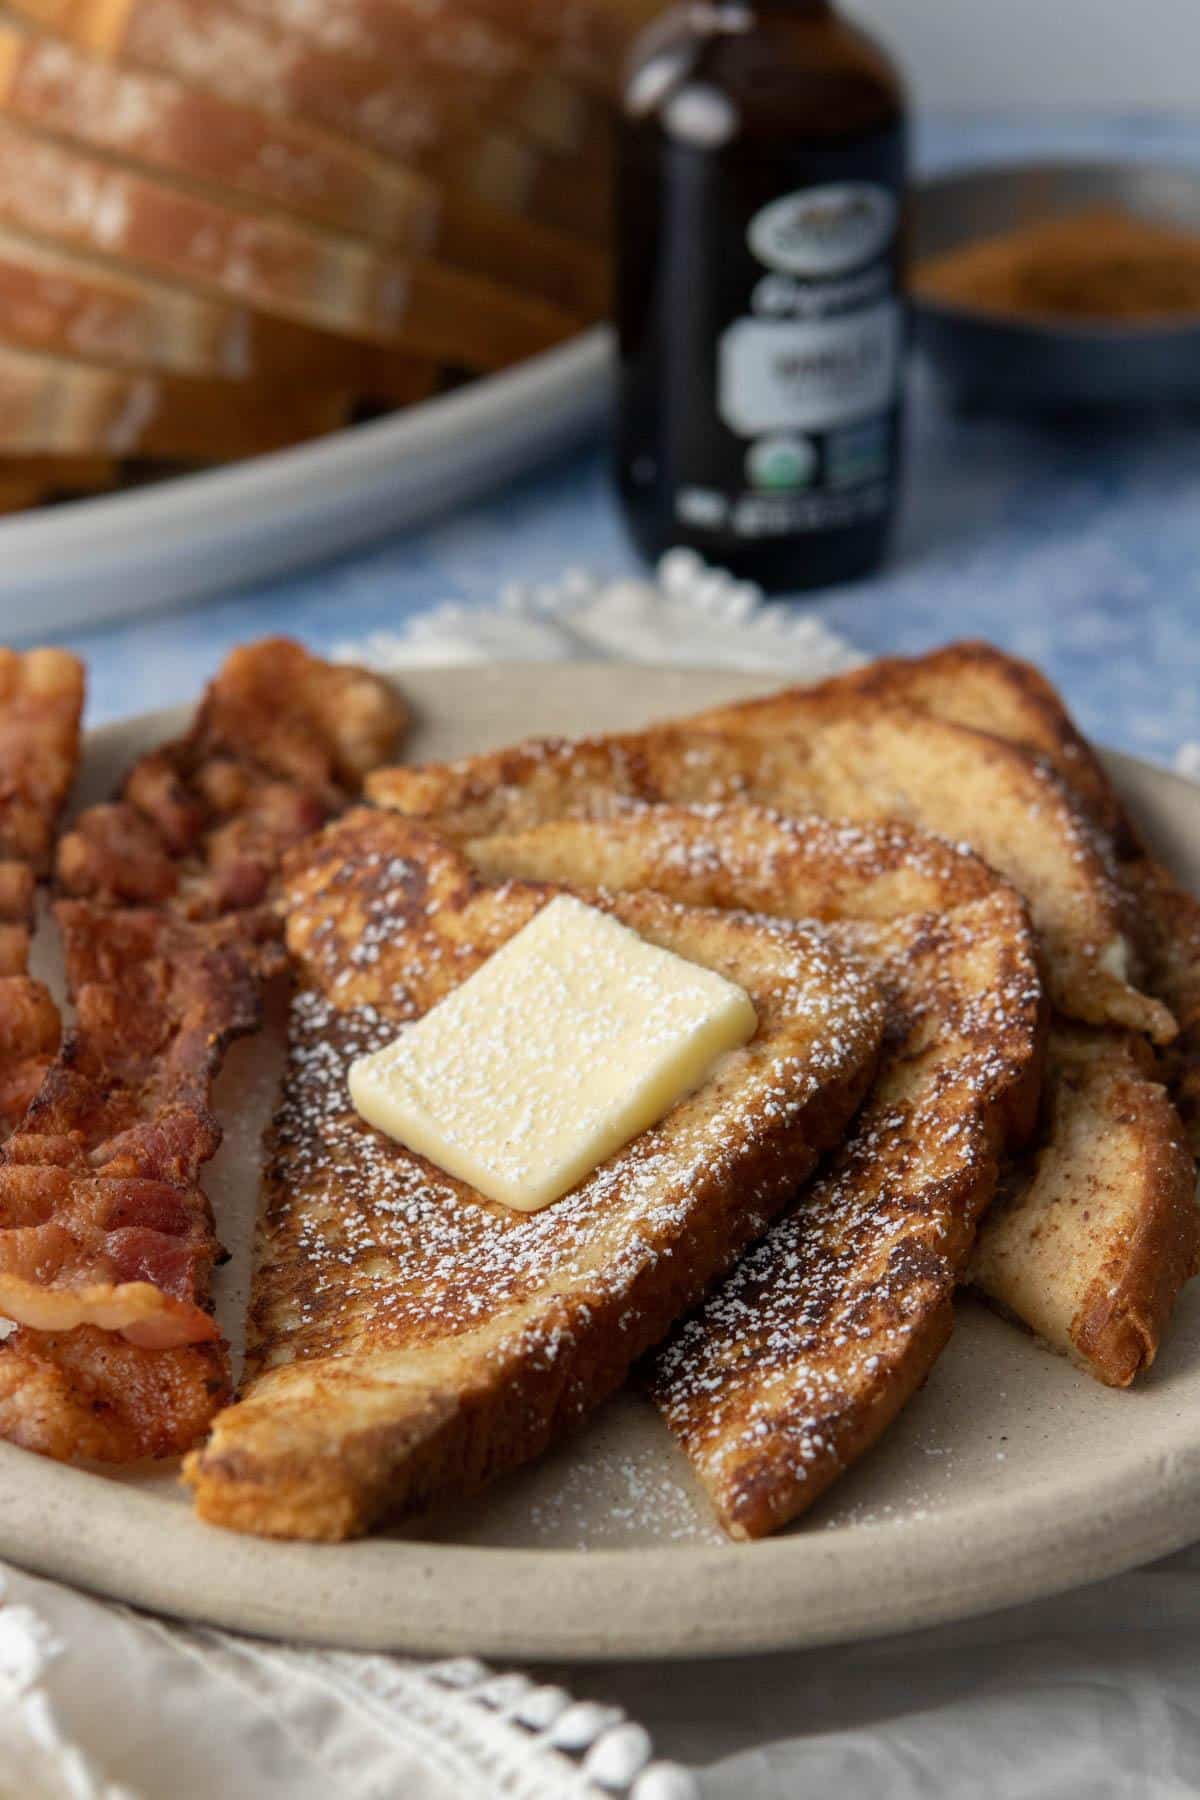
x: 690, y: 617
x: 202, y: 1713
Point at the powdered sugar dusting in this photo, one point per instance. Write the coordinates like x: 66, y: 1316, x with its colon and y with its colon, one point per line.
x: 368, y: 1244
x: 773, y: 1385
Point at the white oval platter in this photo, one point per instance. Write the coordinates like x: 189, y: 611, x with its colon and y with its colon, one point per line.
x: 194, y: 535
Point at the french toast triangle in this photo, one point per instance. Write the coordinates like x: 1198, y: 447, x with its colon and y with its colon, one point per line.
x: 970, y: 745
x: 842, y: 759
x: 1092, y: 1239
x: 976, y: 685
x: 409, y: 1340
x: 797, y: 1362
x: 1095, y: 1237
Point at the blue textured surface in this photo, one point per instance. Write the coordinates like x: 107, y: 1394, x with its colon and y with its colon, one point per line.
x: 1079, y: 550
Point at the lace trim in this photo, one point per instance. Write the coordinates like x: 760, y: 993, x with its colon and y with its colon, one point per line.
x: 691, y: 616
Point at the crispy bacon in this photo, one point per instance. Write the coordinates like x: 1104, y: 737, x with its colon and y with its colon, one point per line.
x: 90, y: 1395
x: 107, y: 1242
x: 104, y: 1222
x: 41, y: 703
x: 280, y: 743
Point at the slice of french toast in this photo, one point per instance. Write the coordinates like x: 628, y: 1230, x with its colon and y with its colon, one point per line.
x: 410, y: 1339
x: 838, y: 749
x: 798, y: 1361
x: 1105, y: 1297
x: 978, y: 685
x: 1098, y: 1232
x: 972, y: 684
x: 1093, y: 1237
x: 850, y: 762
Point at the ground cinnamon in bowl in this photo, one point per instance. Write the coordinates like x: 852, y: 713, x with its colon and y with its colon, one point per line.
x: 1098, y: 266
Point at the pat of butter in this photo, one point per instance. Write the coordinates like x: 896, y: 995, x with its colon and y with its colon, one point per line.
x: 561, y: 1048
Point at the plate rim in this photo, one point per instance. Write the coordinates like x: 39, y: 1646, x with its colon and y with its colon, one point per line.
x: 657, y: 1602
x: 93, y: 561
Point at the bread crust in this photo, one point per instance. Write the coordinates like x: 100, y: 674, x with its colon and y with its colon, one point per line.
x: 1098, y: 1233
x: 796, y: 1364
x: 1108, y: 1298
x: 976, y: 684
x: 839, y: 760
x: 852, y: 746
x: 410, y: 1340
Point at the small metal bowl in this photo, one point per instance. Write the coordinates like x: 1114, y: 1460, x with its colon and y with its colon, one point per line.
x: 991, y: 361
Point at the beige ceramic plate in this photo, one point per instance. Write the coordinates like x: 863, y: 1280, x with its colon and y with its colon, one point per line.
x: 1010, y: 1476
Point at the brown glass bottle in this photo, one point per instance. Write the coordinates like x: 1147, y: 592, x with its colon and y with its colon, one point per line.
x: 759, y: 291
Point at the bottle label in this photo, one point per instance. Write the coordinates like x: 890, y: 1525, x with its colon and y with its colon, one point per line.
x: 811, y: 374
x: 824, y: 231
x: 809, y: 366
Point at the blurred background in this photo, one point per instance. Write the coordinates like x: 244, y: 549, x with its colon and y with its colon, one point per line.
x: 302, y: 314
x: 1093, y: 55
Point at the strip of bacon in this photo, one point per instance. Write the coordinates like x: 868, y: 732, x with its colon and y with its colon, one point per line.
x: 107, y: 1243
x: 104, y: 1221
x: 41, y: 704
x: 281, y: 742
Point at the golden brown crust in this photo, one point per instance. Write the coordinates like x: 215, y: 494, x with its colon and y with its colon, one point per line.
x: 740, y: 856
x: 840, y: 760
x: 410, y: 1340
x: 976, y: 684
x: 1170, y: 942
x: 1095, y: 1238
x: 798, y: 1362
x: 969, y: 683
x: 1134, y: 1159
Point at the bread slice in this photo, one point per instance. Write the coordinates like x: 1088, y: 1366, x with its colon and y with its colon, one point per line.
x: 976, y: 684
x: 869, y: 761
x: 795, y: 1365
x: 410, y: 1340
x: 1169, y: 937
x: 562, y: 195
x: 1097, y: 1231
x: 410, y: 98
x: 1094, y: 1237
x: 273, y: 263
x: 68, y: 304
x: 403, y: 109
x: 852, y: 763
x: 587, y: 41
x: 164, y: 126
x: 55, y: 302
x: 479, y: 65
x: 54, y: 407
x: 27, y: 480
x: 1137, y: 1180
